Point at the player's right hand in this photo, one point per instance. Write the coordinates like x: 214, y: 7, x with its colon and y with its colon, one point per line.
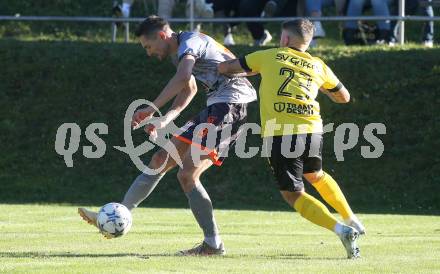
x: 151, y: 130
x: 139, y: 116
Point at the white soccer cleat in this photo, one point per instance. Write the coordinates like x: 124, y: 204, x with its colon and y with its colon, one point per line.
x: 229, y: 40
x: 348, y: 238
x: 354, y: 222
x: 267, y: 38
x: 264, y: 40
x: 428, y: 44
x: 89, y: 216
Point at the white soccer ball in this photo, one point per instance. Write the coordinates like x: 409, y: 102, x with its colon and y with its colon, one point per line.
x: 114, y: 220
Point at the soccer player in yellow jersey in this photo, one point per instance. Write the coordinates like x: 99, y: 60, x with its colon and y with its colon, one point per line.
x: 290, y: 115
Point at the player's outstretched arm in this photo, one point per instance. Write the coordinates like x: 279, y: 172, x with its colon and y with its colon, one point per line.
x: 341, y: 96
x: 233, y: 68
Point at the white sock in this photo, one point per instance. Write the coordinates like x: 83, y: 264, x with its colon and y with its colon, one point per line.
x: 126, y: 10
x: 214, y: 241
x: 338, y: 228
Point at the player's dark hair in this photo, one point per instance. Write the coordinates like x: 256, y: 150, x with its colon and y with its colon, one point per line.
x: 302, y: 28
x: 150, y: 26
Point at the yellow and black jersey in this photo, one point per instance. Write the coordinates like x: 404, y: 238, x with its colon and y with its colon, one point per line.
x: 290, y: 82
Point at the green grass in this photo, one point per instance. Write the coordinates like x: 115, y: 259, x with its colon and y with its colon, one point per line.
x: 53, y: 239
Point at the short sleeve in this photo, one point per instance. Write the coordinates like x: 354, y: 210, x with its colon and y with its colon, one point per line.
x: 331, y: 82
x: 192, y: 46
x: 252, y: 61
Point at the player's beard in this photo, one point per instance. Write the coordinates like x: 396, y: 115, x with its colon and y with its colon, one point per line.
x: 166, y: 52
x: 163, y: 54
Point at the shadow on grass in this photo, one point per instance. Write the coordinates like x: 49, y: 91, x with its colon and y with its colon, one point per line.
x: 289, y: 256
x: 43, y: 255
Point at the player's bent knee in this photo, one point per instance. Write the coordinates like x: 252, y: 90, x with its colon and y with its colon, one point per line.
x: 313, y: 176
x: 291, y: 196
x: 185, y: 178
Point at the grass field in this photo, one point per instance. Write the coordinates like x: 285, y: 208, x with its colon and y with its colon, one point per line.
x: 53, y: 239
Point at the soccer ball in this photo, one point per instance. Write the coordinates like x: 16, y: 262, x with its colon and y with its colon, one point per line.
x: 114, y: 220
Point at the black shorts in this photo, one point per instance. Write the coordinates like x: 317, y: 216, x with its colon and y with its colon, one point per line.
x: 305, y: 157
x: 220, y: 129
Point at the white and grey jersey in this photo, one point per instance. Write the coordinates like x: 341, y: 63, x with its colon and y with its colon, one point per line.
x: 208, y: 54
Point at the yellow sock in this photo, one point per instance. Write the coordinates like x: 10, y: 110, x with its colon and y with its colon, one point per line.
x: 332, y: 194
x: 314, y: 211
